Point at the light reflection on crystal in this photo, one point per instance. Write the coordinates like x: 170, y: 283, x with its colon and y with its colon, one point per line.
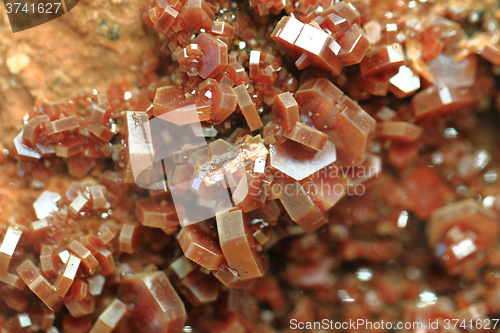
x: 64, y: 255
x: 301, y: 166
x: 344, y: 296
x: 490, y: 176
x: 402, y: 219
x: 450, y: 133
x: 24, y: 320
x: 489, y: 201
x: 46, y: 204
x: 428, y: 297
x: 364, y: 274
x: 464, y: 248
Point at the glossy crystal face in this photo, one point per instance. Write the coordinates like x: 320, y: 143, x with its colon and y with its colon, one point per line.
x: 260, y: 166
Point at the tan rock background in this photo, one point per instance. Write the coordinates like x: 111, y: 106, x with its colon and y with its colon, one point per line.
x: 96, y: 43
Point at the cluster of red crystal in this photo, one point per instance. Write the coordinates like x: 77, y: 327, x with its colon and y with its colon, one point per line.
x: 80, y: 131
x: 403, y: 190
x: 331, y: 41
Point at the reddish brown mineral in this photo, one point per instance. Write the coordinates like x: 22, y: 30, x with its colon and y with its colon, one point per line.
x: 110, y: 317
x: 286, y: 110
x: 199, y: 244
x: 215, y: 54
x: 383, y: 59
x: 239, y: 246
x: 156, y: 305
x: 130, y: 238
x: 353, y: 132
x: 247, y: 107
x: 39, y: 285
x: 318, y: 98
x: 8, y: 247
x: 65, y: 280
x: 157, y: 214
x: 435, y: 101
x: 276, y: 163
x: 399, y: 131
x: 308, y: 136
x: 88, y: 260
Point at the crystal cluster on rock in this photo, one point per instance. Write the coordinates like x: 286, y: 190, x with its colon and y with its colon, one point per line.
x: 277, y: 161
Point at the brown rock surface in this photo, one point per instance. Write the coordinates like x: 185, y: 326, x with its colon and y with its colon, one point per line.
x: 96, y: 43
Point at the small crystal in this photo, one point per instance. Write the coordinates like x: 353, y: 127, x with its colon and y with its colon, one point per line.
x: 382, y: 59
x: 354, y: 45
x: 337, y: 24
x: 353, y: 133
x: 96, y: 284
x: 347, y: 10
x: 247, y: 107
x: 463, y: 249
x: 88, y: 260
x: 81, y: 308
x: 373, y: 31
x: 404, y: 83
x: 77, y: 205
x: 153, y: 297
x: 106, y: 261
x: 13, y: 281
x: 199, y: 288
x: 301, y: 208
x: 223, y: 100
x: 65, y: 280
x: 129, y: 238
x: 78, y: 291
x: 156, y: 214
x: 197, y: 13
x: 23, y: 151
x: 399, y: 130
x: 435, y: 101
x: 199, y: 244
x: 39, y: 285
x: 318, y: 99
x: 166, y: 19
x: 46, y: 203
x: 308, y: 136
x: 490, y: 176
x: 467, y: 213
x: 110, y: 317
x: 291, y: 159
x: 8, y: 247
x: 238, y: 244
x: 286, y: 110
x: 216, y: 54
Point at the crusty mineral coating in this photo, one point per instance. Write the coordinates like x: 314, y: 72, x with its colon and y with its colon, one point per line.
x: 378, y: 200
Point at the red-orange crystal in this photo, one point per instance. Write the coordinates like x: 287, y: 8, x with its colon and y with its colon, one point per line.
x: 238, y: 245
x: 199, y: 244
x: 156, y: 305
x: 346, y: 153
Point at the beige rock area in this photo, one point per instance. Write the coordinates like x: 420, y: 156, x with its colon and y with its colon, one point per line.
x: 96, y: 43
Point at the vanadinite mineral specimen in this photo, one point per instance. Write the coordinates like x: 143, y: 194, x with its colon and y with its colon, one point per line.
x: 279, y: 164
